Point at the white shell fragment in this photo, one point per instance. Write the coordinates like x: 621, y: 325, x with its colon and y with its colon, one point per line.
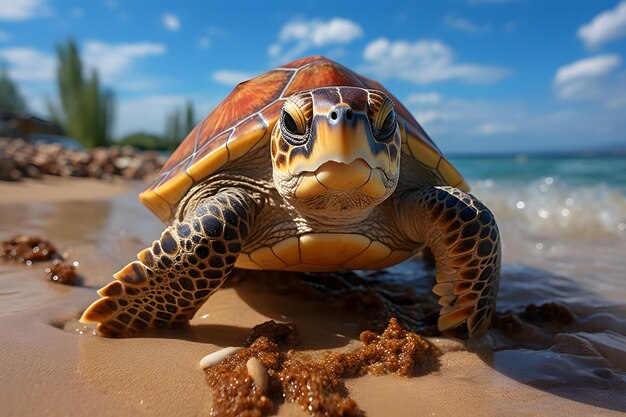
x: 258, y: 373
x: 217, y: 356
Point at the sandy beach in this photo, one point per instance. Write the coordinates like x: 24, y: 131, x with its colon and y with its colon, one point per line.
x: 54, y: 366
x: 53, y: 189
x: 473, y: 151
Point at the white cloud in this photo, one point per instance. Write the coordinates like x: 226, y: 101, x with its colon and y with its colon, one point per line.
x: 24, y: 9
x: 469, y: 125
x: 298, y: 36
x: 424, y: 62
x: 28, y: 64
x: 490, y: 129
x: 112, y: 4
x: 464, y: 25
x: 149, y: 113
x: 34, y: 72
x: 171, y: 22
x: 427, y: 117
x: 588, y: 78
x: 204, y: 42
x: 439, y: 113
x: 479, y: 125
x: 210, y: 34
x: 492, y: 1
x: 424, y: 98
x: 230, y: 77
x: 113, y: 60
x: 510, y: 26
x: 274, y: 49
x: 596, y: 66
x: 604, y: 27
x: 77, y: 12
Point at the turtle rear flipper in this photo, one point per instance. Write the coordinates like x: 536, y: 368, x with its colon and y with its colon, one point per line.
x: 463, y: 236
x: 181, y: 270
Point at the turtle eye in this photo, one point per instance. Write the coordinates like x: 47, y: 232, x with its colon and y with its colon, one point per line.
x: 389, y: 122
x: 385, y: 124
x: 382, y: 115
x: 293, y: 123
x: 290, y: 124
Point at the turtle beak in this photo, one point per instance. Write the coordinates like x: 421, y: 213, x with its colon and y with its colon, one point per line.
x: 343, y: 156
x: 340, y: 137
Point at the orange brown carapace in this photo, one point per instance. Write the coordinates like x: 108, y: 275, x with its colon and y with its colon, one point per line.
x: 308, y: 167
x: 246, y: 117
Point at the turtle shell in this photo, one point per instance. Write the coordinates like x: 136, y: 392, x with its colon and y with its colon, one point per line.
x: 244, y: 120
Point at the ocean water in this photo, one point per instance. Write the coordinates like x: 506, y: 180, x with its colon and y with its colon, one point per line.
x: 554, y: 198
x: 566, y: 215
x: 563, y: 226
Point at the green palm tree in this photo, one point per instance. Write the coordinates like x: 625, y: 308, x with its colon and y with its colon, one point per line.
x: 10, y: 97
x: 86, y: 108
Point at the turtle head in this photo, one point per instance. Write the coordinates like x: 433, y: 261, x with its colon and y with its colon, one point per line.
x: 336, y: 149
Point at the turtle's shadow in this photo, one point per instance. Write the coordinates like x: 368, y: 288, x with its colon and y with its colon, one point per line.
x: 226, y: 335
x: 563, y: 360
x: 319, y: 326
x: 221, y: 335
x: 577, y: 360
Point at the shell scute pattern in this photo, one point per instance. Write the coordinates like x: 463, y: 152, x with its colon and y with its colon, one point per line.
x: 245, y: 118
x: 323, y: 74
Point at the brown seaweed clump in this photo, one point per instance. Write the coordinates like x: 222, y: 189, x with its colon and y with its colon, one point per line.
x: 316, y: 385
x: 534, y: 316
x: 62, y: 273
x: 28, y: 249
x: 284, y: 334
x: 554, y: 313
x: 394, y: 351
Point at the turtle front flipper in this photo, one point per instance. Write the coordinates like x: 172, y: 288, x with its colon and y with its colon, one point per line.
x: 463, y: 235
x: 181, y: 270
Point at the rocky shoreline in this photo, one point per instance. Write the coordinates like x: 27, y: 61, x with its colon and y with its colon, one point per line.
x: 21, y: 159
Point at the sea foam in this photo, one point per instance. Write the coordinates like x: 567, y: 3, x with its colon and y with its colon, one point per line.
x: 551, y: 207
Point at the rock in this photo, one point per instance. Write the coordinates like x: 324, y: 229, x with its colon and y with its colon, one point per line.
x: 19, y: 158
x: 8, y: 171
x: 61, y: 273
x: 218, y: 356
x: 28, y: 249
x: 258, y: 373
x: 32, y: 171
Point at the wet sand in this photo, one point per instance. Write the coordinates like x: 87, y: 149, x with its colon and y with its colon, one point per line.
x: 50, y: 368
x: 51, y: 189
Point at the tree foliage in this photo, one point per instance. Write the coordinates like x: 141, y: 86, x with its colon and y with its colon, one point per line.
x: 144, y: 141
x: 10, y: 97
x: 178, y: 125
x: 86, y: 108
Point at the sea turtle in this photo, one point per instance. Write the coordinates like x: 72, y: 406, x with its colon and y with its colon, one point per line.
x: 308, y: 167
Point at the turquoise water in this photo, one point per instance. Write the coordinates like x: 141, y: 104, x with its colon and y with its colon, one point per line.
x: 563, y: 226
x: 572, y: 171
x: 552, y: 198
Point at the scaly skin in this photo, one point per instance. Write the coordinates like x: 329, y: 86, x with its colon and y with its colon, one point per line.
x: 463, y: 236
x: 181, y: 270
x: 335, y: 156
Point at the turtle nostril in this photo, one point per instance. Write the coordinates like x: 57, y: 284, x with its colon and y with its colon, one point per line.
x: 333, y: 115
x: 349, y: 114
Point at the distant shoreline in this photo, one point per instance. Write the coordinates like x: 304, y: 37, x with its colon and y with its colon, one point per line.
x: 51, y: 189
x: 603, y: 153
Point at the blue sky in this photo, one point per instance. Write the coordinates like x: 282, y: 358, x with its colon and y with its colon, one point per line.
x: 480, y: 75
